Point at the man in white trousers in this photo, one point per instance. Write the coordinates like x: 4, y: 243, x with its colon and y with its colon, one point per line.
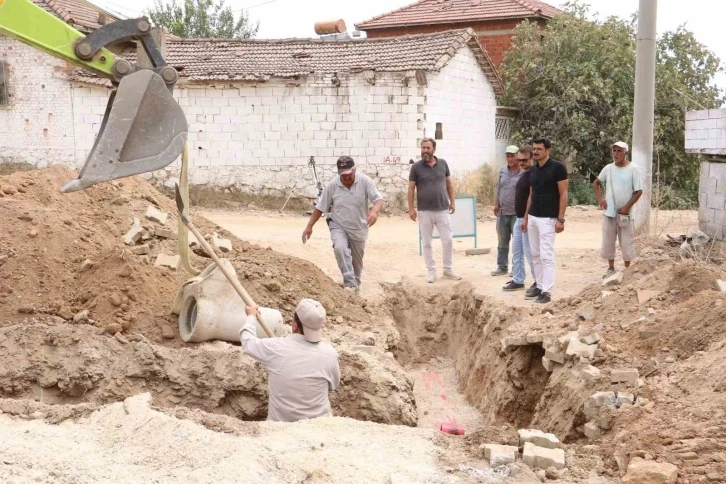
x: 430, y: 180
x: 545, y: 216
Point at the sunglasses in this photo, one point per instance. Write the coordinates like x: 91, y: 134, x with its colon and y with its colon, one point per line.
x: 523, y: 160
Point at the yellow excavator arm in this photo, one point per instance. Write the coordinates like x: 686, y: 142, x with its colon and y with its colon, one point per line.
x: 144, y: 129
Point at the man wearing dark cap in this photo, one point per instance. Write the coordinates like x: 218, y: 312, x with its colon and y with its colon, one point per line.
x: 346, y: 199
x: 301, y: 368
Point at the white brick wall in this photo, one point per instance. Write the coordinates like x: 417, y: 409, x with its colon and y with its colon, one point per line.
x: 462, y: 99
x: 259, y: 138
x: 706, y: 131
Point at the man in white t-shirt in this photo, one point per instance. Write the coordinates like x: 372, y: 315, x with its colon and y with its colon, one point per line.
x: 622, y: 190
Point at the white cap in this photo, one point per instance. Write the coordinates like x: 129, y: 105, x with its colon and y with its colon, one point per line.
x: 622, y: 144
x: 312, y: 316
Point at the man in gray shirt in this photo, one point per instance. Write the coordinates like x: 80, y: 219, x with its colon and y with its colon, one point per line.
x: 509, y: 175
x: 430, y: 180
x: 346, y: 199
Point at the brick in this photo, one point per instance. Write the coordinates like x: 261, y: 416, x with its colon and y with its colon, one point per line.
x: 627, y: 375
x: 500, y: 455
x: 548, y: 364
x: 133, y: 235
x: 600, y: 399
x: 576, y: 348
x: 624, y: 398
x: 586, y: 311
x: 566, y: 338
x: 542, y: 458
x: 592, y: 430
x: 534, y: 338
x: 171, y: 261
x: 590, y: 339
x: 591, y: 373
x: 555, y: 356
x: 538, y: 438
x: 720, y: 286
x: 156, y: 215
x: 613, y: 280
x: 141, y: 249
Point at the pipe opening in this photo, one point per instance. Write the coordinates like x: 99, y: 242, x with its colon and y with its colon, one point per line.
x: 190, y: 316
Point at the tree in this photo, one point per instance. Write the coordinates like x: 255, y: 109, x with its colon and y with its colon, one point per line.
x: 202, y: 19
x: 574, y: 81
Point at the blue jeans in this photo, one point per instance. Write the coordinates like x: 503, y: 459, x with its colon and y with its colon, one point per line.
x: 520, y: 250
x: 505, y: 228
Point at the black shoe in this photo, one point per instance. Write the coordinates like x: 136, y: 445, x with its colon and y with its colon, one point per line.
x: 533, y: 292
x: 513, y: 286
x: 544, y: 298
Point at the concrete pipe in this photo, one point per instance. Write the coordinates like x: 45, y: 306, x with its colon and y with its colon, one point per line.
x: 211, y: 309
x: 330, y: 27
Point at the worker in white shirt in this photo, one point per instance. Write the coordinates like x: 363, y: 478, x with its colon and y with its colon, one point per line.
x: 301, y: 369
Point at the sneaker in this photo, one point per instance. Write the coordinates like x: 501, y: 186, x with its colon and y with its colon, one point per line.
x: 544, y: 298
x: 432, y: 276
x: 513, y: 286
x: 353, y: 289
x: 609, y: 272
x: 499, y: 272
x: 533, y: 292
x: 452, y: 275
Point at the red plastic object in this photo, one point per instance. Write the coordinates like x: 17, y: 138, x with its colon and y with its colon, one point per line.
x: 451, y: 428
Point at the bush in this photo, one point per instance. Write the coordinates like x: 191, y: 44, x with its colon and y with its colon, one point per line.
x: 581, y: 191
x: 481, y: 183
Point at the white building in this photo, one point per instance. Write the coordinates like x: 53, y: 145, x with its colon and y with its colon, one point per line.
x: 259, y: 109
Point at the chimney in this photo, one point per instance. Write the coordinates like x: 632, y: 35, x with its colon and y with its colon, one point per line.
x: 159, y: 36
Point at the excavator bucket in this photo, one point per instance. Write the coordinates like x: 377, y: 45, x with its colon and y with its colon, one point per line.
x: 144, y: 129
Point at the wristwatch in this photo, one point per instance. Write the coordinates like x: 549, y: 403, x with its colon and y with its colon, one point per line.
x: 561, y: 220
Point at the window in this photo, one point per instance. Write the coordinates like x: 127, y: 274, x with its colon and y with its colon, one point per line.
x: 439, y: 131
x: 4, y: 75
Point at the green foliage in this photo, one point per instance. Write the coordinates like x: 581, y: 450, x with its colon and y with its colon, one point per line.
x: 574, y: 82
x: 202, y: 19
x: 580, y: 191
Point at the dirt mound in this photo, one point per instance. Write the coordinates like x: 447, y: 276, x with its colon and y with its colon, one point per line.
x: 45, y: 237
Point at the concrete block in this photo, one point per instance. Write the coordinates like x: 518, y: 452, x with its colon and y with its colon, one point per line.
x: 645, y: 295
x: 624, y: 398
x: 555, y: 356
x: 165, y: 233
x: 133, y: 235
x: 592, y: 430
x: 171, y: 261
x: 590, y: 339
x: 600, y: 399
x: 481, y: 251
x: 538, y: 438
x: 548, y: 364
x: 156, y: 215
x: 576, y: 348
x: 591, y: 373
x: 542, y: 458
x: 586, y: 311
x: 141, y: 249
x: 650, y: 472
x: 613, y: 280
x: 500, y: 455
x: 225, y: 245
x: 626, y: 375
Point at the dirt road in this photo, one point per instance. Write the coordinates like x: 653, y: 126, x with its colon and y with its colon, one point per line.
x: 392, y: 249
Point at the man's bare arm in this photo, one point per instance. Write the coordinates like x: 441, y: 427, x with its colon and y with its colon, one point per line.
x: 563, y: 187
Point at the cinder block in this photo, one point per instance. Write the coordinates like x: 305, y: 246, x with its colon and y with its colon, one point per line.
x: 538, y: 438
x: 500, y: 455
x: 627, y: 375
x: 555, y: 356
x: 542, y: 458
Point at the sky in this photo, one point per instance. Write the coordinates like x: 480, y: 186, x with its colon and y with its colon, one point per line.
x: 296, y: 18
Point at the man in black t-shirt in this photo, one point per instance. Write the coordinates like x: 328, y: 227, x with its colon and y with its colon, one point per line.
x: 545, y: 215
x: 520, y: 242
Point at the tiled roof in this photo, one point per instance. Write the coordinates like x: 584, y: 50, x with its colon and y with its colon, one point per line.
x: 250, y: 60
x: 458, y: 11
x: 79, y: 13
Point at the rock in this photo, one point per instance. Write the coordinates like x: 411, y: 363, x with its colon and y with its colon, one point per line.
x: 605, y: 294
x: 500, y: 455
x: 648, y: 333
x: 273, y: 286
x: 627, y: 375
x: 224, y: 245
x: 592, y: 430
x: 81, y: 317
x: 688, y: 456
x: 37, y: 415
x: 9, y: 190
x: 482, y: 251
x: 541, y: 475
x: 613, y: 280
x: 121, y: 200
x: 165, y: 233
x: 597, y: 400
x: 26, y: 217
x: 563, y: 340
x: 113, y: 328
x: 133, y: 235
x: 156, y: 215
x: 534, y: 338
x: 138, y: 404
x: 586, y: 312
x: 368, y: 339
x: 171, y: 261
x: 591, y: 339
x: 145, y: 259
x: 642, y: 319
x: 552, y: 473
x: 33, y: 233
x: 538, y: 438
x: 650, y: 472
x: 365, y: 349
x: 591, y: 373
x: 645, y: 295
x: 65, y: 313
x: 555, y: 356
x: 720, y: 286
x: 167, y: 333
x: 575, y: 349
x: 141, y: 249
x: 542, y: 458
x: 115, y: 299
x: 548, y: 364
x: 339, y: 319
x: 87, y: 264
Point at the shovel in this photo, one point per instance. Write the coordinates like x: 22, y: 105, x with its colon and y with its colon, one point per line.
x: 230, y: 277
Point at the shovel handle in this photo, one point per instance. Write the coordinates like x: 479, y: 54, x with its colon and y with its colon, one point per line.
x: 230, y: 277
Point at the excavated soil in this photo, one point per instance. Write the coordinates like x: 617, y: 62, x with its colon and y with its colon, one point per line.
x: 68, y: 283
x: 675, y: 336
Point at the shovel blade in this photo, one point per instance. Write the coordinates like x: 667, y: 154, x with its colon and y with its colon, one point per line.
x: 144, y: 129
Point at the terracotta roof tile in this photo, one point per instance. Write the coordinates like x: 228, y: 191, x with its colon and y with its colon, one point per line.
x: 249, y: 60
x: 78, y: 13
x: 457, y: 11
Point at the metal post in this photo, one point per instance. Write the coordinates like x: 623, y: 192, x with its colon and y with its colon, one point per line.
x: 643, y: 120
